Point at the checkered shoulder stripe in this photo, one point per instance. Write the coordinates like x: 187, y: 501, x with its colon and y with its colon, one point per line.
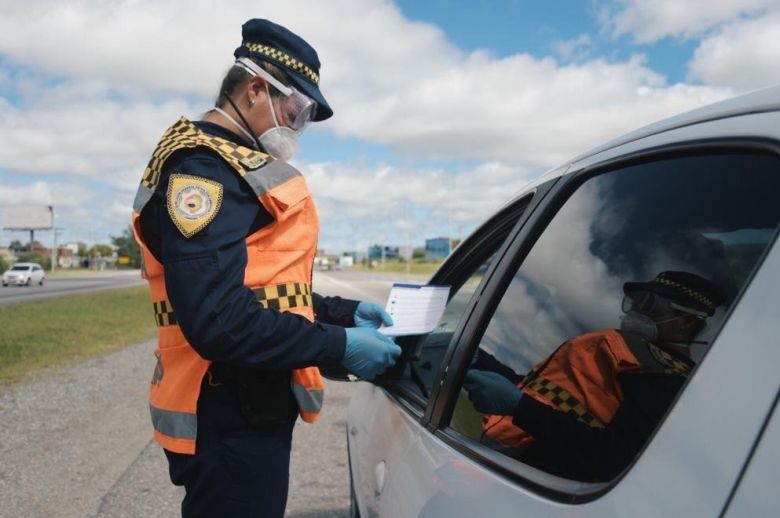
x: 284, y: 296
x: 183, y: 135
x: 163, y: 313
x: 285, y: 59
x: 564, y: 401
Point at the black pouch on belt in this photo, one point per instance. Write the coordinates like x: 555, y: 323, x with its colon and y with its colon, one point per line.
x: 265, y: 396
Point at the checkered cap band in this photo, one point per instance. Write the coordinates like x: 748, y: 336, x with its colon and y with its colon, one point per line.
x: 285, y: 296
x: 285, y: 59
x: 184, y: 135
x: 695, y: 295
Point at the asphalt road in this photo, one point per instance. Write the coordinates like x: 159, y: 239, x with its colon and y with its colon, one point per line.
x: 75, y: 442
x: 70, y: 284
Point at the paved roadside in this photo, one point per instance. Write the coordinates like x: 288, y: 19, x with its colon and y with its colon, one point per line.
x: 76, y: 441
x: 68, y: 435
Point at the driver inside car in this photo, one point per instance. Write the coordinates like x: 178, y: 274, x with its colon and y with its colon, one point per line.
x: 586, y: 410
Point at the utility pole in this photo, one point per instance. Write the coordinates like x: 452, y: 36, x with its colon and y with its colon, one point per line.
x: 55, y: 251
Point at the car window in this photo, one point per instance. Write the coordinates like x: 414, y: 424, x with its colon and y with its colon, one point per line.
x: 20, y: 268
x: 610, y: 312
x: 423, y: 355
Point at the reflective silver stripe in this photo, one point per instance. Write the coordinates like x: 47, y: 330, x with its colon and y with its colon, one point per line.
x: 269, y: 176
x: 142, y: 197
x: 309, y: 400
x: 180, y: 425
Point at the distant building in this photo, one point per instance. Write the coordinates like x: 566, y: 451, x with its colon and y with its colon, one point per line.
x: 437, y: 248
x: 377, y: 252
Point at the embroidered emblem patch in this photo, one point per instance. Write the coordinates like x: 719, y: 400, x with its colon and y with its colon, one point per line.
x: 193, y: 202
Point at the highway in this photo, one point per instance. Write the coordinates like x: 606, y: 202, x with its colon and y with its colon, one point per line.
x: 70, y: 284
x: 77, y: 441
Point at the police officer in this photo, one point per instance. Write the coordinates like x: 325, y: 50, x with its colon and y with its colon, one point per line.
x: 228, y: 231
x: 587, y: 410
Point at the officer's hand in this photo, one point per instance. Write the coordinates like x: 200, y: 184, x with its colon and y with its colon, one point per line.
x: 369, y: 314
x: 368, y: 352
x: 491, y: 393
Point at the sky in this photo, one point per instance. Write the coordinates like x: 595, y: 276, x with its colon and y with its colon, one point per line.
x: 442, y: 109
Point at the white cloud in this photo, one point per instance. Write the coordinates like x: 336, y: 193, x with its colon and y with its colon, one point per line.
x: 95, y: 94
x: 358, y: 206
x: 76, y: 130
x: 43, y: 193
x: 575, y: 49
x: 743, y: 55
x: 648, y: 22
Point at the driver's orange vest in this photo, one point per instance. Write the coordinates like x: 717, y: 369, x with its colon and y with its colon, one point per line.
x: 581, y: 379
x: 279, y: 267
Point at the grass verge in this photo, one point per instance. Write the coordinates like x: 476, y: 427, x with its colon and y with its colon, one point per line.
x: 64, y: 330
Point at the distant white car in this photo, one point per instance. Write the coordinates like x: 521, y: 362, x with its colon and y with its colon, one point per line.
x: 24, y: 274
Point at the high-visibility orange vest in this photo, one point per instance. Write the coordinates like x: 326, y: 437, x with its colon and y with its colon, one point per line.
x: 279, y: 268
x: 581, y: 379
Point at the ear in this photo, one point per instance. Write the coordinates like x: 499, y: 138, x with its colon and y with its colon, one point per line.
x: 255, y: 89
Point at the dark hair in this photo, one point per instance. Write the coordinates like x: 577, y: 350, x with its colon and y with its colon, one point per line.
x: 236, y: 76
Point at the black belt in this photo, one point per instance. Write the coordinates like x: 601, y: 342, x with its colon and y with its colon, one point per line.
x: 265, y: 396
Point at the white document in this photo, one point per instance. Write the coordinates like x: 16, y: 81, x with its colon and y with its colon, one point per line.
x: 416, y: 309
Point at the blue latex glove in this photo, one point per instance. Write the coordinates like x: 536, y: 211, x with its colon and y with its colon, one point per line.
x: 369, y: 314
x: 491, y: 393
x: 368, y: 352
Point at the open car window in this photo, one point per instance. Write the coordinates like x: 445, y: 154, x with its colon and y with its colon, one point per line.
x: 464, y: 272
x: 590, y: 389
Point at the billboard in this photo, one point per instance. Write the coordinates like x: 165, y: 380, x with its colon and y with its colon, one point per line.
x: 29, y: 217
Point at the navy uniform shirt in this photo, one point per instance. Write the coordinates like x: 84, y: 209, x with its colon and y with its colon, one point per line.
x: 204, y: 277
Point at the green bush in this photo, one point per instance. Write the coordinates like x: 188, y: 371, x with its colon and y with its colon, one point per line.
x: 35, y: 257
x: 3, y: 265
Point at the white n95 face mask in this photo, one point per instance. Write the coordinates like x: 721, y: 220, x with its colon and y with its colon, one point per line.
x: 640, y: 324
x: 280, y: 142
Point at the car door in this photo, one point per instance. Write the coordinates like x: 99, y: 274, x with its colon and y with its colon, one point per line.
x: 391, y: 474
x: 700, y: 206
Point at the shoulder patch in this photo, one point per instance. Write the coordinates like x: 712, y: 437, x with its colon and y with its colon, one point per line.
x: 193, y: 202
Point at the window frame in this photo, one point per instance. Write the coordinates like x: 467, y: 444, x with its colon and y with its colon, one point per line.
x: 461, y: 262
x: 516, y: 251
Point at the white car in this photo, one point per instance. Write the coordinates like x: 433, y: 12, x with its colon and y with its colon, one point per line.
x: 696, y: 193
x: 24, y: 274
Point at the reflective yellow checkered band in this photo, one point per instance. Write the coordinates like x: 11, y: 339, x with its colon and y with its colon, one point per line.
x: 564, y: 401
x: 695, y: 295
x: 287, y: 60
x: 163, y: 313
x: 284, y: 296
x: 184, y: 135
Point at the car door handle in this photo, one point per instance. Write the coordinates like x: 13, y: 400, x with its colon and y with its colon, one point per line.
x: 379, y: 473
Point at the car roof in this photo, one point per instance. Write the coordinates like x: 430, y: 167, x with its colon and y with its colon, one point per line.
x: 25, y: 264
x: 759, y: 101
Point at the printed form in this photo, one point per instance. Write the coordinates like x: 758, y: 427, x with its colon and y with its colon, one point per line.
x: 416, y: 309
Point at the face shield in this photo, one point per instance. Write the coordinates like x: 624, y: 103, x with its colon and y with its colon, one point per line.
x: 652, y: 304
x: 296, y: 109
